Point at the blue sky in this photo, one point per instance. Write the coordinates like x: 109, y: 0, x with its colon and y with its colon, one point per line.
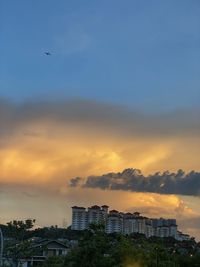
x: 141, y: 54
x: 144, y: 55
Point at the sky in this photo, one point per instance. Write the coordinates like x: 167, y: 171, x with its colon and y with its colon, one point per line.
x: 120, y: 90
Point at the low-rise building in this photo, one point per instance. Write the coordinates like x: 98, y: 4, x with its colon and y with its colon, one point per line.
x: 43, y: 250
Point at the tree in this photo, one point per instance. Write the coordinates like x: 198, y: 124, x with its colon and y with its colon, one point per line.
x: 20, y: 246
x: 18, y: 229
x: 98, y: 249
x: 54, y: 261
x: 92, y: 250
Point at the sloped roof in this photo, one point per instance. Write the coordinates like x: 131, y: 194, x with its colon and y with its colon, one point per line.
x: 46, y: 242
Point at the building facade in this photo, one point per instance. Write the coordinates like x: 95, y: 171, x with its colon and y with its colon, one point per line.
x: 79, y: 218
x: 114, y: 222
x: 125, y: 223
x: 82, y: 218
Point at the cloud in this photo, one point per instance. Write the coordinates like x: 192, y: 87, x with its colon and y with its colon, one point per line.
x: 178, y: 183
x: 149, y: 204
x: 51, y: 141
x: 107, y: 117
x: 75, y: 181
x: 43, y: 144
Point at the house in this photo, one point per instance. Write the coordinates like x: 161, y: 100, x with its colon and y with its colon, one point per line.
x: 44, y: 249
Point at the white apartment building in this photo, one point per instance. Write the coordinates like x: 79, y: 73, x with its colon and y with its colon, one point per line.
x: 141, y: 225
x: 82, y: 218
x: 130, y: 224
x: 79, y: 218
x: 125, y: 223
x: 165, y: 227
x: 149, y: 231
x: 96, y: 214
x: 114, y: 222
x: 162, y: 231
x: 173, y: 231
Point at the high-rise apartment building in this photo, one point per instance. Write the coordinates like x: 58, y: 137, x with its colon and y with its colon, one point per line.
x: 79, y: 218
x: 125, y: 223
x: 114, y: 222
x: 130, y: 224
x: 82, y: 218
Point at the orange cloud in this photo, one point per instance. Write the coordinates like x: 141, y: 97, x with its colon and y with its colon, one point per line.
x: 43, y: 145
x: 47, y: 141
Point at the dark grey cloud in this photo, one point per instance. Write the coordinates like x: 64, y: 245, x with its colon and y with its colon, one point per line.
x: 75, y: 181
x: 94, y: 116
x: 179, y: 183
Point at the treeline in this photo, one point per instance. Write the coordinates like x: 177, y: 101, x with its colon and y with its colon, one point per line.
x: 95, y: 248
x: 52, y: 232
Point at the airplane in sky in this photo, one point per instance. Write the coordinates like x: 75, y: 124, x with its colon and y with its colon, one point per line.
x: 47, y: 53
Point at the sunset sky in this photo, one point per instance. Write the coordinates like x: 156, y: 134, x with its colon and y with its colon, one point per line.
x: 120, y: 90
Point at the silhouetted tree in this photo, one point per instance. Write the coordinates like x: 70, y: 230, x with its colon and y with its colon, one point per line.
x: 19, y: 246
